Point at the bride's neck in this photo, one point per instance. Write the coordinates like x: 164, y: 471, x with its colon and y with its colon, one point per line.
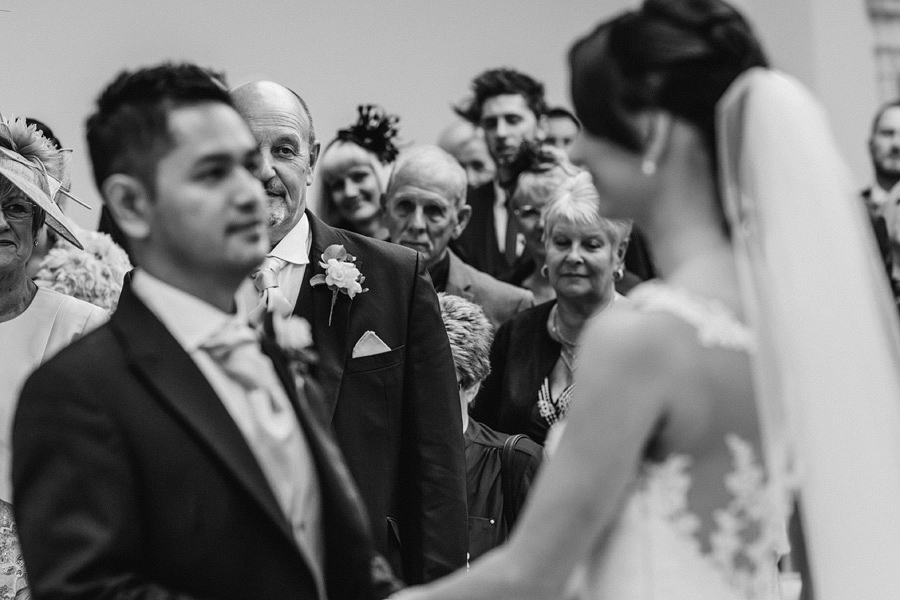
x: 688, y: 242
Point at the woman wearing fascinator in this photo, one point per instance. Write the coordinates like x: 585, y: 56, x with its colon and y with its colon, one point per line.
x: 35, y: 323
x: 762, y: 370
x: 354, y: 169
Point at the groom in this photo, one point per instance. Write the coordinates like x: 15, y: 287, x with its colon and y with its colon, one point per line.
x: 169, y: 454
x: 385, y: 364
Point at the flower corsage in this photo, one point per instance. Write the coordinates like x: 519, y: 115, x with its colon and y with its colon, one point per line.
x: 341, y: 274
x: 294, y: 336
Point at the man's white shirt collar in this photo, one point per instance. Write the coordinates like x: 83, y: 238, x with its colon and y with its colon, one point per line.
x: 190, y: 320
x: 294, y: 246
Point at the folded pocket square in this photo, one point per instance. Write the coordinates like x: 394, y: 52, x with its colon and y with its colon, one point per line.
x: 368, y: 345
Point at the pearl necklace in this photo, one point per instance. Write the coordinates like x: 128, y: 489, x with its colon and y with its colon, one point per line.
x: 569, y: 353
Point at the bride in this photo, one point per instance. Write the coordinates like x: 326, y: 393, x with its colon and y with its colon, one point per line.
x: 763, y: 368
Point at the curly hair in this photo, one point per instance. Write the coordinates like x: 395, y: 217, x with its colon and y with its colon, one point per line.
x: 471, y: 336
x: 498, y: 82
x: 129, y: 131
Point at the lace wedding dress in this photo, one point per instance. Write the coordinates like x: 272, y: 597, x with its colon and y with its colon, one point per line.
x: 654, y: 551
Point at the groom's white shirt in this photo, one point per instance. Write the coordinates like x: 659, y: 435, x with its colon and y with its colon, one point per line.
x: 192, y: 322
x: 294, y: 249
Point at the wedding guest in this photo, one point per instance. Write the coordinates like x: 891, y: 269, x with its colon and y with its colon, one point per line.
x: 45, y: 238
x: 545, y: 173
x: 35, y: 323
x: 354, y: 169
x: 509, y: 106
x: 170, y: 453
x: 465, y: 142
x: 425, y: 208
x: 387, y: 342
x: 561, y: 127
x: 499, y: 467
x: 534, y: 353
x: 882, y: 198
x: 94, y: 274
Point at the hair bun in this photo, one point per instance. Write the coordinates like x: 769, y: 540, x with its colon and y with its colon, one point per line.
x: 715, y: 22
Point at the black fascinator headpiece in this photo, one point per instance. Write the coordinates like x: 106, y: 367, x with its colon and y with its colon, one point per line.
x: 374, y: 131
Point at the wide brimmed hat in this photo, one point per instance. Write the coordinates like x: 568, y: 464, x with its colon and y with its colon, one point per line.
x: 32, y: 178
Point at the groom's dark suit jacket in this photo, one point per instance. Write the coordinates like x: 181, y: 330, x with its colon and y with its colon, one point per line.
x: 131, y: 480
x: 396, y: 415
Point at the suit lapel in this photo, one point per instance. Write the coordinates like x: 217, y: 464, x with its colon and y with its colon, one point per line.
x: 162, y: 363
x: 314, y: 304
x: 458, y: 279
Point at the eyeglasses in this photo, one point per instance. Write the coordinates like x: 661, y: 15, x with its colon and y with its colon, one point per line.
x: 17, y: 210
x: 527, y: 212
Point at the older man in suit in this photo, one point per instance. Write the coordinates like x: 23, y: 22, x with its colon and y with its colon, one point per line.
x: 425, y: 208
x: 391, y: 396
x: 170, y: 454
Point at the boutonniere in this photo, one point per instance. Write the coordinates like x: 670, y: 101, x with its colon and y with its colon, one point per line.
x: 341, y: 275
x: 294, y: 336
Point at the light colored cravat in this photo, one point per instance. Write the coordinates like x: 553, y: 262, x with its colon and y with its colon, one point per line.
x: 274, y: 436
x: 271, y: 298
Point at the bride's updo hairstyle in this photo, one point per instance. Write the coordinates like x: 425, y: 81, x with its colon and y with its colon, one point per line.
x: 676, y: 55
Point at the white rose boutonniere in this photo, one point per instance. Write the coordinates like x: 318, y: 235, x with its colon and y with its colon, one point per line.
x: 293, y: 335
x: 341, y: 275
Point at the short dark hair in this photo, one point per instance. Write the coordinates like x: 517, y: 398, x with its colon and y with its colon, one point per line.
x: 129, y: 132
x: 881, y: 110
x: 497, y: 82
x: 558, y: 112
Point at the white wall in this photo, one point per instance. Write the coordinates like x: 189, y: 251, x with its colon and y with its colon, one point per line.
x: 416, y: 57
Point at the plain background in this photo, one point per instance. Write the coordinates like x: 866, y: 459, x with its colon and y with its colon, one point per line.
x: 415, y: 57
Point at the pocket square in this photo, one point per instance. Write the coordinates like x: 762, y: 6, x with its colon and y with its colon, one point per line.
x: 368, y: 345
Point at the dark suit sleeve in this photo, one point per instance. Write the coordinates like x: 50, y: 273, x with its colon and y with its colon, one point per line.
x: 434, y: 517
x: 77, y: 539
x: 486, y: 406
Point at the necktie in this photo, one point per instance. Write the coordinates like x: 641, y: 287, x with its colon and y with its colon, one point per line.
x: 512, y: 239
x: 271, y: 298
x: 273, y: 434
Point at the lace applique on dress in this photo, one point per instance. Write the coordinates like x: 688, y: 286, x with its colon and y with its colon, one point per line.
x: 716, y: 325
x: 748, y: 537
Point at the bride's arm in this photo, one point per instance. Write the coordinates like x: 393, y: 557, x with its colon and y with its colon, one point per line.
x: 626, y: 367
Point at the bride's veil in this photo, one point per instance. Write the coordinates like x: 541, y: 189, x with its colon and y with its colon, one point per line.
x: 827, y: 365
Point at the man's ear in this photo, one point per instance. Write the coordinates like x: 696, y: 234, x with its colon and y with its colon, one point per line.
x: 130, y: 204
x: 463, y: 214
x: 313, y: 159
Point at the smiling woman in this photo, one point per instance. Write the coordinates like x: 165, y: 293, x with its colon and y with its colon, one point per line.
x: 34, y: 323
x: 354, y: 171
x: 533, y: 356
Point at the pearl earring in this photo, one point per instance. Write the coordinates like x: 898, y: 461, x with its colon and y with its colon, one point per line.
x: 648, y: 167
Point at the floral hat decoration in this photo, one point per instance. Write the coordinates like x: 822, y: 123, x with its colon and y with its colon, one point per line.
x: 23, y: 169
x: 375, y: 131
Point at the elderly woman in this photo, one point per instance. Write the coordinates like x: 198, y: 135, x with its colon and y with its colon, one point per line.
x: 533, y: 355
x: 35, y: 323
x: 499, y: 467
x: 544, y: 173
x: 354, y: 170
